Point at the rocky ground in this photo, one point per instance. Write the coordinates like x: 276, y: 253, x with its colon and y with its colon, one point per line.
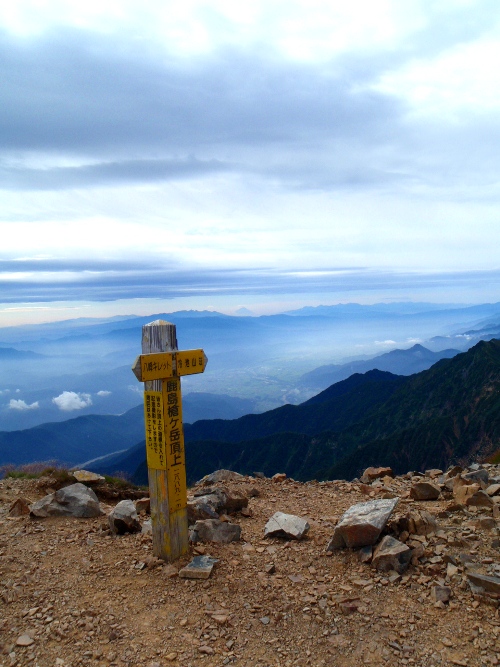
x: 73, y: 594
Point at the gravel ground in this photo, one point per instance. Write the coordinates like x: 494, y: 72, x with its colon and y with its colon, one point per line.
x: 72, y: 594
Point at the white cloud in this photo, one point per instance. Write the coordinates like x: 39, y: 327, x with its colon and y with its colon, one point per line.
x: 104, y: 393
x: 385, y: 343
x: 4, y: 391
x: 15, y: 404
x: 70, y: 400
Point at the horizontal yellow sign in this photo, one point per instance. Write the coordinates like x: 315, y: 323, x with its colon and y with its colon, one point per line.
x: 162, y: 365
x: 190, y: 362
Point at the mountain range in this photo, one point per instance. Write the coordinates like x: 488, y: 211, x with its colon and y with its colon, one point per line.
x: 266, y: 359
x: 448, y: 413
x: 400, y: 362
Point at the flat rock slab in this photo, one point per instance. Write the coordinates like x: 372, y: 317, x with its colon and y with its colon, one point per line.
x: 480, y: 583
x: 425, y: 491
x: 199, y: 568
x: 75, y: 500
x: 87, y: 477
x: 391, y: 554
x: 362, y: 524
x: 286, y: 525
x: 213, y: 530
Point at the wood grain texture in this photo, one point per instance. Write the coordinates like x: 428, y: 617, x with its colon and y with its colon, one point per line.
x: 170, y: 530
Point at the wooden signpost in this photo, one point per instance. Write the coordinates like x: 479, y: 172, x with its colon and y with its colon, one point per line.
x: 160, y: 367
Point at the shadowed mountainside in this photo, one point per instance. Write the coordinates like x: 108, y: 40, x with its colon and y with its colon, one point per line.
x: 448, y: 413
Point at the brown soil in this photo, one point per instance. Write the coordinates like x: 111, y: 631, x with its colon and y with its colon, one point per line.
x: 87, y: 598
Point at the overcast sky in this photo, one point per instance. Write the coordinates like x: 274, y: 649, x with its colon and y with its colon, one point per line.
x: 265, y: 154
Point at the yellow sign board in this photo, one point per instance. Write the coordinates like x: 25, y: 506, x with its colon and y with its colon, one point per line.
x: 190, y: 362
x: 161, y: 365
x: 174, y: 439
x: 155, y: 366
x: 165, y: 439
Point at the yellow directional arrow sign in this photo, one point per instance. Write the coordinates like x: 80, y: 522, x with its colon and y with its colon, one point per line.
x: 190, y: 362
x: 161, y: 365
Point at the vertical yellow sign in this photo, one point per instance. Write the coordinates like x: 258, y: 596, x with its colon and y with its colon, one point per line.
x: 174, y: 444
x: 155, y: 430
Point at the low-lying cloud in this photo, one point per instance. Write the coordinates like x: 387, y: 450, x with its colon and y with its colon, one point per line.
x: 70, y: 400
x: 18, y: 404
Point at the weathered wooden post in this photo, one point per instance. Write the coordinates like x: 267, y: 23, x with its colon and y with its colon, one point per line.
x: 160, y: 366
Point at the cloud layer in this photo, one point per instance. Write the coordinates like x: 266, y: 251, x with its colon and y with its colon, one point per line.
x: 207, y: 149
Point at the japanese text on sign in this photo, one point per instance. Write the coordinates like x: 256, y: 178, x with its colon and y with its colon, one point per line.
x: 155, y: 430
x: 174, y: 440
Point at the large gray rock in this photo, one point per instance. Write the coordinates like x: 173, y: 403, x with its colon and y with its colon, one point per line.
x: 362, y: 524
x: 123, y: 518
x: 213, y: 530
x: 391, y: 554
x: 286, y: 525
x: 75, y: 500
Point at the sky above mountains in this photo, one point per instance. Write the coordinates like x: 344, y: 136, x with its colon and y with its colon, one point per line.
x: 266, y: 154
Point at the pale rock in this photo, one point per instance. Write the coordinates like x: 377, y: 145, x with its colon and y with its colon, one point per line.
x: 123, y: 518
x: 463, y: 490
x: 143, y: 505
x: 371, y: 474
x: 75, y: 500
x: 424, y: 491
x: 279, y: 477
x: 213, y: 530
x: 147, y: 527
x: 220, y: 476
x: 440, y: 593
x: 493, y: 490
x: 87, y: 477
x: 19, y: 507
x: 362, y: 524
x: 391, y: 554
x: 24, y: 640
x: 286, y: 525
